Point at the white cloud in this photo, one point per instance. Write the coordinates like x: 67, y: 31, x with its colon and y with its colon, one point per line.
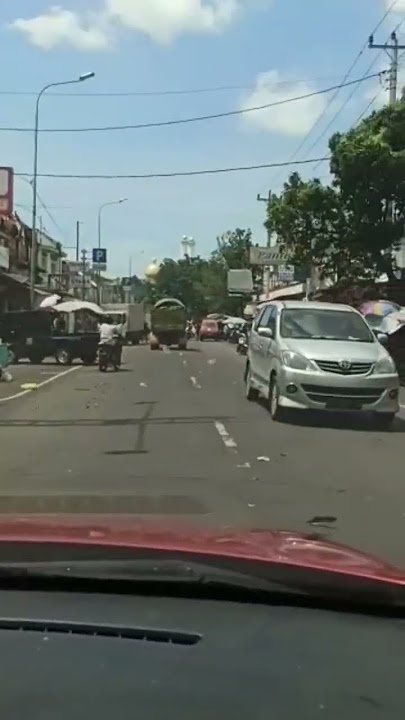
x: 399, y: 7
x: 63, y: 27
x: 164, y: 20
x: 161, y: 20
x: 295, y: 118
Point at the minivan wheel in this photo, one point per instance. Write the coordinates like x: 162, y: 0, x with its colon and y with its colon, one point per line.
x: 277, y: 412
x: 383, y: 421
x: 251, y: 392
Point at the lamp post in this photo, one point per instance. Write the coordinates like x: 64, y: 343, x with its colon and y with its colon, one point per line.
x: 85, y: 76
x: 100, y: 210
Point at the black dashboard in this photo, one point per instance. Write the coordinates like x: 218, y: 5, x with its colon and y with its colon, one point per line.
x: 78, y: 655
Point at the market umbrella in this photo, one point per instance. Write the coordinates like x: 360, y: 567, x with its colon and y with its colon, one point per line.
x: 379, y: 307
x: 50, y: 301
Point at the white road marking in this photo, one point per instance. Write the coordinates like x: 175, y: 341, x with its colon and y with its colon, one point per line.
x: 41, y: 384
x: 228, y: 441
x: 195, y: 383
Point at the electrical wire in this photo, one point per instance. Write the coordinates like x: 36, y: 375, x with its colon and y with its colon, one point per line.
x: 164, y: 93
x: 185, y: 173
x: 338, y: 88
x: 42, y: 203
x: 200, y: 118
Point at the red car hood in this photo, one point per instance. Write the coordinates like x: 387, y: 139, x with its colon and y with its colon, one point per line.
x: 271, y: 547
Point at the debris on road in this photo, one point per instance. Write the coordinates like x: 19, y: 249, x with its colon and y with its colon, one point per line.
x: 323, y: 520
x: 263, y: 458
x: 29, y: 386
x: 211, y: 361
x: 244, y: 465
x: 143, y: 385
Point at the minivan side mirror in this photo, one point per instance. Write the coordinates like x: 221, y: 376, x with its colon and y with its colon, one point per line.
x: 382, y: 338
x: 265, y: 332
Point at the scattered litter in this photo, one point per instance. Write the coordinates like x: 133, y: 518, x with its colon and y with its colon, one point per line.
x: 29, y: 386
x: 181, y: 354
x: 263, y: 458
x: 184, y: 362
x: 322, y: 520
x: 212, y: 361
x: 244, y: 465
x: 251, y: 505
x: 6, y: 376
x: 255, y: 478
x: 96, y: 534
x: 143, y: 385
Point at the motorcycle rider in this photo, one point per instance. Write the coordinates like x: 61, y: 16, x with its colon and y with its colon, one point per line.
x: 110, y: 336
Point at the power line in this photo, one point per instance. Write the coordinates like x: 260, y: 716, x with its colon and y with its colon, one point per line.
x: 200, y: 118
x: 340, y: 87
x: 336, y: 115
x: 185, y: 173
x: 42, y: 203
x: 367, y: 108
x: 164, y: 93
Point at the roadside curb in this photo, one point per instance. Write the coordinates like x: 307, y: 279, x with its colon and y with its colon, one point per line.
x: 40, y: 385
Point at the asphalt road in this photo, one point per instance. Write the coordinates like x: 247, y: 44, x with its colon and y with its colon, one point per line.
x: 172, y: 435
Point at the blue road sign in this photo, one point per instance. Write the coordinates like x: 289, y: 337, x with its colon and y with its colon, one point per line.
x: 99, y: 256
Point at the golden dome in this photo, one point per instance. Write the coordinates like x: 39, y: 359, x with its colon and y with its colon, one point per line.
x: 152, y: 270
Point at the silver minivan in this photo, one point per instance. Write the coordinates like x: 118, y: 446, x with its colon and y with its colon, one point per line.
x: 320, y: 356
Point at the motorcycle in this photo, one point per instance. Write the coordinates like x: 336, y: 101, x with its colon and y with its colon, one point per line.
x: 242, y: 344
x: 108, y: 355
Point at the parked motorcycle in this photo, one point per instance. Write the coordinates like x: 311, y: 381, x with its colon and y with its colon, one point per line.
x: 108, y: 355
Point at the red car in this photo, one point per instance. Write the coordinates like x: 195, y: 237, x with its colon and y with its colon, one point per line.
x: 104, y: 616
x: 210, y: 330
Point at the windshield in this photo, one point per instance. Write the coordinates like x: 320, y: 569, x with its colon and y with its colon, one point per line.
x: 221, y: 183
x: 324, y: 325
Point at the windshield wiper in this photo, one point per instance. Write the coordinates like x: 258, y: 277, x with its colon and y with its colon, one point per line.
x: 303, y: 585
x: 141, y: 571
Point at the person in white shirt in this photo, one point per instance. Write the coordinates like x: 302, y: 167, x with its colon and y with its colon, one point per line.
x: 111, y: 336
x: 108, y: 332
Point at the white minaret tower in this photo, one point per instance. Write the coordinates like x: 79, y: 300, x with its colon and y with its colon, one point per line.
x: 187, y: 245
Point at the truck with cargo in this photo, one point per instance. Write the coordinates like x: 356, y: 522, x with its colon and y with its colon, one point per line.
x: 168, y: 324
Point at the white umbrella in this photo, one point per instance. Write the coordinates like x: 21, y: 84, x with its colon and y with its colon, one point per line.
x: 50, y: 301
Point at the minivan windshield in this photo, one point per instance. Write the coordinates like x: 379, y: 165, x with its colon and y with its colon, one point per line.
x: 320, y: 324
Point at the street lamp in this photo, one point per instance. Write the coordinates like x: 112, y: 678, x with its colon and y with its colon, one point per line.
x: 101, y: 208
x: 113, y: 202
x: 82, y: 78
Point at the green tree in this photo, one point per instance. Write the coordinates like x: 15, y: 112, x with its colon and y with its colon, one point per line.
x: 201, y: 284
x: 348, y: 229
x: 368, y: 168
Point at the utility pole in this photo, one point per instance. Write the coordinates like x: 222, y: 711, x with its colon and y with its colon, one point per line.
x: 77, y: 240
x: 266, y: 270
x: 391, y: 48
x: 84, y: 277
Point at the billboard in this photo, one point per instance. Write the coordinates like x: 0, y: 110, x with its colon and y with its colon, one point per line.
x: 240, y: 282
x: 6, y: 191
x: 266, y: 256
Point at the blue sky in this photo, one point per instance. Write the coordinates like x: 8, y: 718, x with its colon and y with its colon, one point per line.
x: 264, y: 49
